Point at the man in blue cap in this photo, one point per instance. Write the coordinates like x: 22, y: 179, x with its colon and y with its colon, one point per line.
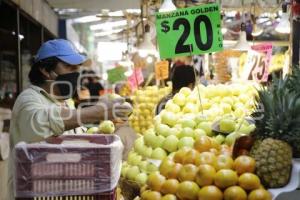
x: 40, y: 111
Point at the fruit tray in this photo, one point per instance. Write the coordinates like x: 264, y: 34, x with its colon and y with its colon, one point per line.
x: 68, y: 165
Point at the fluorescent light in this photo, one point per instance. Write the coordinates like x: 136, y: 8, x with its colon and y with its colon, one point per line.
x: 118, y: 13
x: 87, y: 19
x: 167, y: 6
x: 108, y: 25
x: 105, y: 76
x: 105, y: 33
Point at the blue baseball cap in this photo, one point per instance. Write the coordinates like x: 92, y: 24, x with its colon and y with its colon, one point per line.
x: 62, y: 49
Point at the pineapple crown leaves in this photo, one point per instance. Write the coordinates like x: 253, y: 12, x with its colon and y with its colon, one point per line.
x: 279, y: 108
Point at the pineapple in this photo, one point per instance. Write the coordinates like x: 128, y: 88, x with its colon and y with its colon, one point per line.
x: 273, y: 162
x: 278, y: 129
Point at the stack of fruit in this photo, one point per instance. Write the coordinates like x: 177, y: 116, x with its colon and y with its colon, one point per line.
x: 205, y: 172
x: 145, y: 102
x: 185, y: 120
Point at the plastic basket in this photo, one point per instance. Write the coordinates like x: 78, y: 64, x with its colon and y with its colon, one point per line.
x: 72, y: 165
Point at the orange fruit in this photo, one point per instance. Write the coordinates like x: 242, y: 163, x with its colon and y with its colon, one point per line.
x: 260, y: 194
x: 151, y: 195
x: 249, y: 181
x: 244, y: 164
x: 190, y: 157
x: 166, y: 166
x: 205, y: 158
x: 155, y: 181
x: 210, y: 192
x: 173, y: 173
x: 225, y: 178
x: 235, y: 193
x: 169, y: 197
x: 169, y: 186
x: 205, y: 175
x: 223, y: 162
x: 203, y: 143
x: 187, y: 173
x: 187, y: 190
x: 180, y: 155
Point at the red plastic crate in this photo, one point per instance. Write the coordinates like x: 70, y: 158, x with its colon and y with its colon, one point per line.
x: 69, y: 167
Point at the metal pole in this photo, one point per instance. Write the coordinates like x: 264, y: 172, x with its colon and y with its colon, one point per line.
x: 19, y: 67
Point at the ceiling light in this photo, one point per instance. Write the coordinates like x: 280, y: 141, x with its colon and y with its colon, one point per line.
x: 105, y: 33
x: 284, y: 25
x: 108, y: 25
x: 147, y: 47
x: 242, y: 44
x: 167, y: 6
x: 149, y: 59
x: 86, y: 19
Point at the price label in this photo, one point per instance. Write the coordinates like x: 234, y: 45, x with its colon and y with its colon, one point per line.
x: 162, y: 70
x: 116, y: 74
x: 258, y: 61
x: 187, y: 31
x: 136, y: 78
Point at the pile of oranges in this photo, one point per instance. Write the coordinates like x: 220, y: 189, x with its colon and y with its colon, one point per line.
x: 205, y: 172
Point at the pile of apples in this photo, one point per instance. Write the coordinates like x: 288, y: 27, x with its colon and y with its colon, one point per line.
x: 145, y: 102
x: 205, y: 172
x: 185, y: 119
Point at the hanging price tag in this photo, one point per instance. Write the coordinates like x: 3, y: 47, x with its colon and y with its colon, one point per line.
x: 136, y: 78
x: 116, y: 74
x: 257, y: 63
x: 162, y: 70
x: 195, y: 30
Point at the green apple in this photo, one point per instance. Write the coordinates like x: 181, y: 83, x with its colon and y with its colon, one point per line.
x: 198, y: 133
x: 186, y: 142
x: 159, y: 154
x: 141, y: 178
x: 149, y: 138
x: 143, y: 166
x: 179, y: 99
x: 185, y: 91
x: 132, y: 172
x: 151, y: 168
x: 192, y: 98
x: 190, y: 108
x: 171, y: 143
x: 226, y: 107
x: 139, y: 144
x: 200, y: 118
x: 227, y: 125
x: 186, y: 132
x: 124, y: 170
x: 206, y: 126
x: 169, y: 118
x: 172, y: 107
x: 134, y: 159
x: 92, y: 130
x: 175, y: 131
x: 146, y: 152
x: 220, y: 138
x: 230, y: 139
x: 107, y: 127
x: 188, y: 123
x: 159, y: 141
x: 163, y: 129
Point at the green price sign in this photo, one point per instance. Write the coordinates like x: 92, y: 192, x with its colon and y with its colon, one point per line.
x: 189, y: 31
x: 116, y: 74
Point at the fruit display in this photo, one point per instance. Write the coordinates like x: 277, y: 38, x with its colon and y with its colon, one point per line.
x: 185, y: 120
x: 145, y: 102
x: 205, y: 175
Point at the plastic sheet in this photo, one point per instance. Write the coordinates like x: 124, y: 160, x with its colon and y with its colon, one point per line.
x: 68, y: 165
x: 294, y: 182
